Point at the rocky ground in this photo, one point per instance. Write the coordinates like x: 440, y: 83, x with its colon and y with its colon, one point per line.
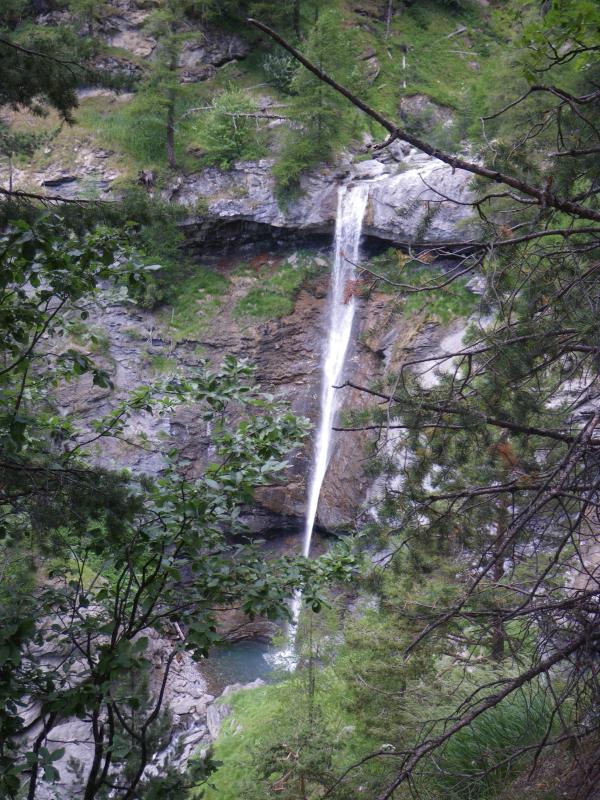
x: 195, y: 718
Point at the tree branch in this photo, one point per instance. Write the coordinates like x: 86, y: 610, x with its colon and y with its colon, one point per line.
x: 543, y: 197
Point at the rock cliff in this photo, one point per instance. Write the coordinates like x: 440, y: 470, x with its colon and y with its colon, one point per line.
x: 287, y: 354
x: 409, y: 198
x: 228, y: 211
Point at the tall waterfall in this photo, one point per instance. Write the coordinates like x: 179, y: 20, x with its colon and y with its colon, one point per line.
x: 351, y: 207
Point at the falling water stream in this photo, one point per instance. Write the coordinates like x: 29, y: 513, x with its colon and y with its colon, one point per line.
x: 352, y: 202
x: 351, y: 207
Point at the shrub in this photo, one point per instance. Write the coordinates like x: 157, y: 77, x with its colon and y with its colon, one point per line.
x: 467, y: 764
x: 280, y: 70
x: 228, y: 131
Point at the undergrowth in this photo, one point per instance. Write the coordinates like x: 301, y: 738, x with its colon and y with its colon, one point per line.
x: 276, y: 291
x: 463, y: 767
x: 442, y: 305
x: 301, y: 733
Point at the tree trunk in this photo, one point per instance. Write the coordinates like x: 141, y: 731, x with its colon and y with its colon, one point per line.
x: 171, y: 158
x: 498, y: 632
x: 171, y: 99
x: 46, y: 728
x: 296, y: 19
x: 91, y: 786
x: 388, y: 20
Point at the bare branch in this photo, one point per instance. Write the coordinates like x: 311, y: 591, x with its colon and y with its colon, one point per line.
x: 543, y: 197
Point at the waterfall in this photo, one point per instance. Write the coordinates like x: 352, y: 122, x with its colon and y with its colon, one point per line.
x: 352, y: 203
x: 351, y: 207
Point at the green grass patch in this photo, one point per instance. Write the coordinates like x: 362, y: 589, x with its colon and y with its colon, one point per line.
x: 249, y: 744
x: 254, y: 710
x: 275, y: 295
x: 193, y: 303
x: 137, y: 128
x: 264, y: 303
x: 443, y: 305
x: 442, y: 68
x: 162, y: 364
x: 520, y: 720
x: 135, y: 334
x: 124, y: 55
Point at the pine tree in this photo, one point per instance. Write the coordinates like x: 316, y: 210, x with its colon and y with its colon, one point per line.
x: 323, y: 117
x: 162, y: 86
x: 41, y: 67
x: 90, y: 12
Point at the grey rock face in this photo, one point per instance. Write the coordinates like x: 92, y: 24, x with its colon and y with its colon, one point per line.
x: 186, y: 697
x: 287, y: 353
x: 415, y: 203
x: 200, y: 58
x: 247, y: 192
x: 126, y: 29
x: 421, y: 109
x: 215, y: 715
x: 134, y: 41
x: 410, y: 197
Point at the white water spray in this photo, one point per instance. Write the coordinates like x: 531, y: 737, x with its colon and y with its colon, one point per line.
x: 352, y: 204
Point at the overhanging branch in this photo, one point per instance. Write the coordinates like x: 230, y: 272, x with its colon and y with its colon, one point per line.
x: 544, y: 197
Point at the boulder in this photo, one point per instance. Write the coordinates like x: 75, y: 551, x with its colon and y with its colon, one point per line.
x: 134, y: 41
x: 215, y: 716
x: 212, y: 47
x: 218, y: 711
x: 422, y: 112
x: 415, y: 203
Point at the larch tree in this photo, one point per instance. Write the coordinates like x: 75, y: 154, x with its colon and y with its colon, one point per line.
x: 314, y: 107
x: 162, y: 83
